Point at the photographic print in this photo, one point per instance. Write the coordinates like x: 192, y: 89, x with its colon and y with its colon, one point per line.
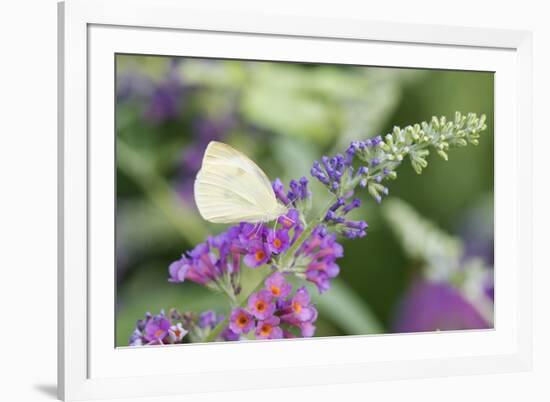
x: 267, y: 200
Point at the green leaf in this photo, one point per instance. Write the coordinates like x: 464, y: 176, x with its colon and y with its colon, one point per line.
x: 222, y: 75
x: 292, y: 114
x: 422, y: 240
x: 345, y: 308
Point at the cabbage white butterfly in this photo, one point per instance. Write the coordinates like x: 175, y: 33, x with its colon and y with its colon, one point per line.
x: 231, y: 188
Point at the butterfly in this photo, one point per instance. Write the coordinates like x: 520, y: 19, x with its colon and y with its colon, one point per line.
x: 231, y: 188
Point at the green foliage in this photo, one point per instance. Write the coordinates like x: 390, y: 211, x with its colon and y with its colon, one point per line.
x: 345, y: 308
x: 422, y: 240
x: 300, y: 100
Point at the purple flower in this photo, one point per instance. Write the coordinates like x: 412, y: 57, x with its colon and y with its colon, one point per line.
x: 277, y: 285
x: 355, y: 203
x: 307, y: 328
x: 331, y: 170
x: 204, y: 266
x: 269, y: 329
x: 320, y: 278
x: 271, y: 319
x: 136, y: 339
x: 278, y: 240
x: 323, y: 250
x: 164, y: 102
x: 260, y: 304
x: 249, y: 232
x: 279, y: 190
x: 176, y: 333
x: 166, y: 98
x: 339, y: 202
x: 228, y: 335
x: 290, y: 220
x: 432, y: 306
x: 298, y: 191
x: 178, y: 269
x: 173, y: 327
x: 156, y: 329
x: 355, y: 229
x: 258, y: 254
x: 209, y: 319
x: 304, y: 191
x: 278, y: 319
x: 376, y: 165
x: 217, y: 258
x: 336, y: 216
x: 241, y: 322
x: 299, y: 309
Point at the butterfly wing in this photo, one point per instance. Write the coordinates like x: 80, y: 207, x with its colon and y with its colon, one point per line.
x: 232, y: 188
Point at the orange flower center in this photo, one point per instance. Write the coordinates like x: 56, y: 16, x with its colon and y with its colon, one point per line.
x: 177, y: 333
x: 159, y: 333
x: 260, y: 255
x: 242, y: 320
x: 265, y: 330
x: 277, y: 243
x: 275, y: 290
x: 260, y: 306
x: 297, y: 307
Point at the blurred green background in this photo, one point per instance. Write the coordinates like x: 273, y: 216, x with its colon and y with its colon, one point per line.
x: 284, y: 116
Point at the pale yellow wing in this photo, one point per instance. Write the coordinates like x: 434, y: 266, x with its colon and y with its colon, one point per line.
x: 231, y: 188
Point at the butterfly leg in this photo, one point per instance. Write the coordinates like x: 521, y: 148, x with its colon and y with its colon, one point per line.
x: 258, y: 227
x: 254, y: 230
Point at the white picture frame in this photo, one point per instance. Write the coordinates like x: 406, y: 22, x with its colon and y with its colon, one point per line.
x: 91, y: 32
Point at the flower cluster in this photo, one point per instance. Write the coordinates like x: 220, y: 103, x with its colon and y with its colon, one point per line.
x: 296, y: 244
x: 217, y: 262
x: 158, y: 330
x: 206, y: 325
x: 370, y: 162
x: 272, y: 313
x: 336, y: 218
x: 298, y: 195
x: 176, y: 327
x: 316, y: 258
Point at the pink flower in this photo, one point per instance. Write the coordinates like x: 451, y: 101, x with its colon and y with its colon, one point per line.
x: 269, y: 329
x: 278, y: 240
x: 241, y: 322
x: 277, y: 285
x: 258, y: 254
x: 298, y: 309
x: 156, y: 329
x: 260, y: 304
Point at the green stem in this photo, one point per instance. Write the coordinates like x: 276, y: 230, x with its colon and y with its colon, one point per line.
x: 218, y: 329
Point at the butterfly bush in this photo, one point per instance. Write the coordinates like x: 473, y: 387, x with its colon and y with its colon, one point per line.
x: 300, y: 246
